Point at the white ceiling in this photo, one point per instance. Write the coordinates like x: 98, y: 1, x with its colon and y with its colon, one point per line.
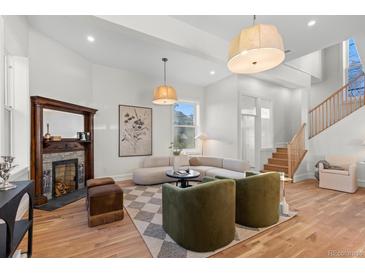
x: 297, y: 36
x: 121, y: 47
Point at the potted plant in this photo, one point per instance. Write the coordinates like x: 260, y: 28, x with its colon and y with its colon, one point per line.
x: 176, y: 148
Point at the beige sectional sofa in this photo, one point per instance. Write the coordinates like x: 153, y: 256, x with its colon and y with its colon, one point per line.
x: 154, y: 168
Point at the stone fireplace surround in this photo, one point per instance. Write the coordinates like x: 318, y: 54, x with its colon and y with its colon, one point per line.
x: 48, y: 159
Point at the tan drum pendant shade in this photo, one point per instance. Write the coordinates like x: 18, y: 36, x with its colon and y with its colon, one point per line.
x: 164, y: 94
x: 256, y: 49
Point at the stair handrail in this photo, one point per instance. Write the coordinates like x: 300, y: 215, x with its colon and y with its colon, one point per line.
x: 338, y: 91
x: 296, y: 150
x: 335, y: 107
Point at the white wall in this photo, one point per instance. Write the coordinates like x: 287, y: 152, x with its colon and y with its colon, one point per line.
x: 60, y: 73
x: 112, y: 87
x: 221, y: 118
x: 310, y: 63
x: 332, y: 75
x: 16, y: 35
x: 343, y: 138
x: 222, y: 115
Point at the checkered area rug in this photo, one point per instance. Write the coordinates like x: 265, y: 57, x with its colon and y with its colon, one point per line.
x: 144, y: 206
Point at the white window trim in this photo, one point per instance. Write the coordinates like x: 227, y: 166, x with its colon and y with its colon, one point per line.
x: 345, y: 61
x: 11, y: 135
x: 196, y: 125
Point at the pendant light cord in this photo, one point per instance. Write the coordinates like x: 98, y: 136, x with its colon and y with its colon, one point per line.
x: 254, y: 20
x: 164, y: 60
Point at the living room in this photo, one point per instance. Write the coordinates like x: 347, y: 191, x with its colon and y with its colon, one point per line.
x: 121, y: 137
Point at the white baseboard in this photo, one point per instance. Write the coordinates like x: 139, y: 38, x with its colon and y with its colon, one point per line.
x: 120, y: 177
x: 361, y: 183
x: 303, y: 176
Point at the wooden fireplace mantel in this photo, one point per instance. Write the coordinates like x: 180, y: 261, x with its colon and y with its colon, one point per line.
x: 39, y: 146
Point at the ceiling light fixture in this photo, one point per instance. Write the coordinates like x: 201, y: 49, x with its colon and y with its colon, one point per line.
x: 164, y: 94
x: 212, y: 72
x: 91, y: 39
x: 256, y: 49
x: 311, y: 23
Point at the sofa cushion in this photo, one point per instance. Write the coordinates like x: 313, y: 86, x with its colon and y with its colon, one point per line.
x: 236, y: 165
x: 202, y: 169
x: 154, y: 161
x: 151, y: 175
x: 183, y: 160
x: 206, y: 161
x: 335, y: 171
x: 225, y: 173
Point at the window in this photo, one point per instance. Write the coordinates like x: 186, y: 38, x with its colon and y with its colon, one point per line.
x: 185, y: 119
x: 353, y: 68
x: 7, y: 131
x: 8, y: 106
x: 267, y: 138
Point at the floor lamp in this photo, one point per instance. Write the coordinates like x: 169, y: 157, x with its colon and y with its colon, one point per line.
x: 202, y: 137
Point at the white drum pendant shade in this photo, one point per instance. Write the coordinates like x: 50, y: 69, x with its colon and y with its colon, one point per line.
x: 255, y: 49
x: 164, y: 95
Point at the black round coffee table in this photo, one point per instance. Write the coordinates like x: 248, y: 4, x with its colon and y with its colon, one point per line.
x: 183, y: 179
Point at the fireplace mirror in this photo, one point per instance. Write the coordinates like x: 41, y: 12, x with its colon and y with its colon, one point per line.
x: 64, y: 124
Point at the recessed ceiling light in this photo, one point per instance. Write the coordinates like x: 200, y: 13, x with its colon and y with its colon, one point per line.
x: 311, y: 23
x: 90, y: 38
x: 212, y: 72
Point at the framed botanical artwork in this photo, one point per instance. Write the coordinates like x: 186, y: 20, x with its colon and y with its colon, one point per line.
x: 135, y: 131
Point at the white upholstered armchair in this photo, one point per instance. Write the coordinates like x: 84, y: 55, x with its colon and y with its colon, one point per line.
x: 342, y: 178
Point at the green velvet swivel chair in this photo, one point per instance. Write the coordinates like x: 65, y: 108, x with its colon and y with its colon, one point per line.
x: 200, y: 218
x: 257, y: 199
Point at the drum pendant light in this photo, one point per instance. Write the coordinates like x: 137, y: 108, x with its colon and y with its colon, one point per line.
x: 256, y: 49
x: 164, y: 94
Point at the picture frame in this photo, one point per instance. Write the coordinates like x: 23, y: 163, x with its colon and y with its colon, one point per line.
x: 134, y: 131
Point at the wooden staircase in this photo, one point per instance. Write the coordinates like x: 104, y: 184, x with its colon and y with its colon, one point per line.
x: 336, y: 107
x: 287, y: 159
x: 278, y: 162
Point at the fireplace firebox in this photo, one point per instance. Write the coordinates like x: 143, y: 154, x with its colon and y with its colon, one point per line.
x: 65, y: 178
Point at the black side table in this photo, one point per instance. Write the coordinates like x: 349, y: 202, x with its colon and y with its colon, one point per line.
x: 12, y: 232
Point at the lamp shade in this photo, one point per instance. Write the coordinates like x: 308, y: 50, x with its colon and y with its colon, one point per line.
x: 201, y: 136
x: 164, y: 95
x: 256, y: 49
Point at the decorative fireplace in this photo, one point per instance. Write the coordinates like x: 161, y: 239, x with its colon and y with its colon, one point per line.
x: 65, y: 177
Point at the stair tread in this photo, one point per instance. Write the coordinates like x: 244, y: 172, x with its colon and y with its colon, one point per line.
x: 279, y: 159
x: 275, y: 165
x: 266, y: 170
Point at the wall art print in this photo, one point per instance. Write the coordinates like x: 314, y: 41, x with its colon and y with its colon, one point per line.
x: 135, y: 131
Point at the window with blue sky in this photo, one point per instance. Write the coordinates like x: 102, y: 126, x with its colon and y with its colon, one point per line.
x: 354, y: 69
x: 184, y: 125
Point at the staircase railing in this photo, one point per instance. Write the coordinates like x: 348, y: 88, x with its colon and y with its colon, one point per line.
x: 296, y: 151
x: 337, y: 106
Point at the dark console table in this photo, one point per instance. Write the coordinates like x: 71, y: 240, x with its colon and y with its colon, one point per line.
x: 12, y: 232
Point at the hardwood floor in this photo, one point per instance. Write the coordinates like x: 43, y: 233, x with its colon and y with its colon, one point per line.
x: 327, y: 221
